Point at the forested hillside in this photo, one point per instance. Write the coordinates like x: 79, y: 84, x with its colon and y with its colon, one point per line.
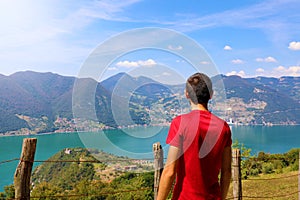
x: 32, y: 102
x: 91, y: 178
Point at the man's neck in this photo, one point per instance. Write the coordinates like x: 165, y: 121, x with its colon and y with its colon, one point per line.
x: 202, y: 107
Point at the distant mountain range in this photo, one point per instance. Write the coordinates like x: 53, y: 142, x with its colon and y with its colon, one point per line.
x: 32, y: 102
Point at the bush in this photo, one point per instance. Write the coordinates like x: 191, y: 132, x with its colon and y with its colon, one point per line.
x: 268, y: 163
x: 9, y: 192
x: 254, y: 172
x: 267, y: 168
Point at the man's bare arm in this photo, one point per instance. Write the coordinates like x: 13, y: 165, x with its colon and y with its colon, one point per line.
x: 226, y: 171
x: 168, y: 174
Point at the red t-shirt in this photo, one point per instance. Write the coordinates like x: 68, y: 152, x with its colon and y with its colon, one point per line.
x: 202, y: 137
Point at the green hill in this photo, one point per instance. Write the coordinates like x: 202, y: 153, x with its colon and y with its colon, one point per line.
x: 90, y: 178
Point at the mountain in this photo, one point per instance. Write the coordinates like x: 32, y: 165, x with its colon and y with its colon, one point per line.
x: 45, y: 90
x: 263, y: 100
x: 38, y: 102
x: 32, y: 102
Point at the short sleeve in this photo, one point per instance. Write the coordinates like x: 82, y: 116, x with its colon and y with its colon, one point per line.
x: 174, y: 138
x: 227, y: 135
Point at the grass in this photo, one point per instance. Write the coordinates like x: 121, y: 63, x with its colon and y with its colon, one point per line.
x: 271, y: 186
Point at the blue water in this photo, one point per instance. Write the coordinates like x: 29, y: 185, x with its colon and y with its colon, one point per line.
x: 275, y: 139
x: 137, y: 143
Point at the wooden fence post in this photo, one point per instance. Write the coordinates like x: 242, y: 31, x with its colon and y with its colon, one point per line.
x: 23, y: 171
x: 158, y: 165
x: 236, y: 174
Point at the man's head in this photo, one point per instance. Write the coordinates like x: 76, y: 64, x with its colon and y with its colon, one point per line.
x: 199, y: 88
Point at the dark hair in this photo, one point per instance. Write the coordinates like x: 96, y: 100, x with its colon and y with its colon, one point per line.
x: 199, y: 88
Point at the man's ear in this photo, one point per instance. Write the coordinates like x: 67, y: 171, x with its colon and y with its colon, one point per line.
x: 187, y: 94
x: 211, y: 94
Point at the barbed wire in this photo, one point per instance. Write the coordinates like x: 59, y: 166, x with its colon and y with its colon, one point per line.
x: 11, y: 160
x: 95, y: 161
x: 122, y: 159
x: 129, y: 159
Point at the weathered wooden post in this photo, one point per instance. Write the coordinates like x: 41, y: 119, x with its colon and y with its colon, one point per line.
x: 158, y: 165
x: 23, y: 171
x: 236, y: 174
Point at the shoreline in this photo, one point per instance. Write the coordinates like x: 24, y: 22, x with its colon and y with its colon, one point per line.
x: 70, y: 132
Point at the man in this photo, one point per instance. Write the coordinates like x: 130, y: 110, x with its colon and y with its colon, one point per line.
x: 200, y: 148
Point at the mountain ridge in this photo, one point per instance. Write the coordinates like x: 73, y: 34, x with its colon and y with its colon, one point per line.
x: 33, y: 102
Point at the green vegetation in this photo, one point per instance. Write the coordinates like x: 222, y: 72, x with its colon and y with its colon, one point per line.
x: 99, y: 180
x: 9, y: 192
x: 265, y: 163
x: 271, y: 163
x: 85, y: 180
x: 129, y: 186
x: 65, y: 174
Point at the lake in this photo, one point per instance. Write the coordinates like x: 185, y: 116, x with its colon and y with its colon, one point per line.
x: 137, y: 143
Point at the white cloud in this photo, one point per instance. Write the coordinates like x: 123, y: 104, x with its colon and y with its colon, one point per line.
x: 205, y: 63
x: 112, y: 68
x: 237, y: 61
x: 227, y: 48
x: 270, y: 59
x: 235, y: 73
x: 259, y: 60
x: 260, y: 70
x: 176, y: 48
x: 286, y: 71
x: 294, y: 46
x: 148, y: 62
x: 166, y: 74
x: 127, y: 64
x: 130, y: 64
x: 279, y: 71
x: 267, y: 59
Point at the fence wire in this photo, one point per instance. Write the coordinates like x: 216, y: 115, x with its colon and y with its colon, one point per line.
x: 8, y: 161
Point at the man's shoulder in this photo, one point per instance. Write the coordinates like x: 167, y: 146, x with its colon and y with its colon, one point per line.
x: 183, y: 116
x: 215, y: 117
x: 177, y: 118
x: 219, y: 121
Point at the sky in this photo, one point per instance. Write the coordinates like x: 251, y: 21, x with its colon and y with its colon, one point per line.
x: 248, y: 38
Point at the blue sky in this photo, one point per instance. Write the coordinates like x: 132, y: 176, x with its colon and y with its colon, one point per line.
x: 247, y: 38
